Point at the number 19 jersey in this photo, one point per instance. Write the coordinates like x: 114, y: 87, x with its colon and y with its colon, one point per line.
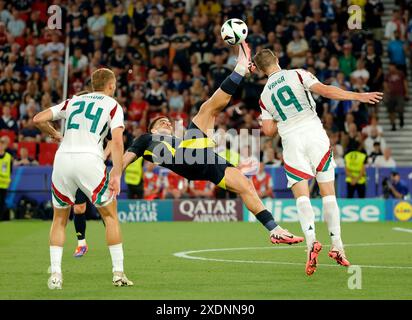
x: 89, y: 118
x: 306, y: 147
x: 286, y: 99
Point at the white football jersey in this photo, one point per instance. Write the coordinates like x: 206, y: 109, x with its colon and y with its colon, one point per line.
x: 286, y: 99
x: 89, y: 118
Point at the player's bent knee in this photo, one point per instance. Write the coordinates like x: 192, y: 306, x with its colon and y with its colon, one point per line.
x: 79, y: 208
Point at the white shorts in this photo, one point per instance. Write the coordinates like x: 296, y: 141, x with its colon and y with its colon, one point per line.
x: 307, y: 154
x: 84, y: 171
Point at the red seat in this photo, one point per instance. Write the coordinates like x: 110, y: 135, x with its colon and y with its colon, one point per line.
x: 47, y: 152
x: 30, y: 146
x: 9, y: 133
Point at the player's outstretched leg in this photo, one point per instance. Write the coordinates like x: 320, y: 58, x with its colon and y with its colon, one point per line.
x: 235, y: 181
x: 331, y: 213
x: 79, y: 219
x: 57, y: 238
x: 114, y: 242
x: 307, y: 222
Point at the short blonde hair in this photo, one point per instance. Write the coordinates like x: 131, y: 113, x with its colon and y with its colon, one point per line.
x: 101, y: 77
x: 264, y: 59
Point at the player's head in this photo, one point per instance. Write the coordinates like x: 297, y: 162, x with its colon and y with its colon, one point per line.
x: 104, y: 80
x: 266, y: 61
x: 160, y: 125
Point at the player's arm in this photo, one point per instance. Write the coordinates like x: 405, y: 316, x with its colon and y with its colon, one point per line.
x: 336, y: 93
x: 107, y: 150
x: 269, y: 127
x: 136, y: 150
x: 116, y: 147
x: 42, y: 122
x: 128, y: 158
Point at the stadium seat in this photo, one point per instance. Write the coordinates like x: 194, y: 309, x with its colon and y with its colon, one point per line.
x: 30, y: 146
x: 10, y: 133
x: 47, y: 152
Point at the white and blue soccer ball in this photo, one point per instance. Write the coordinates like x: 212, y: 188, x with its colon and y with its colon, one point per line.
x: 234, y: 31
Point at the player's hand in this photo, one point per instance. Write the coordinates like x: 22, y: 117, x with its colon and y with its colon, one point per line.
x: 57, y: 137
x: 370, y: 97
x: 114, y: 184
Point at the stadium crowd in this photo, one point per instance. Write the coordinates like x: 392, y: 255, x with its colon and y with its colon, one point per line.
x: 169, y: 57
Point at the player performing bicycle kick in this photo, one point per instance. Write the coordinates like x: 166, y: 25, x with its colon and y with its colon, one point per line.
x: 193, y: 157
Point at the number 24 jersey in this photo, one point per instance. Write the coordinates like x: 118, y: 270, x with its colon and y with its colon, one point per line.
x: 89, y: 118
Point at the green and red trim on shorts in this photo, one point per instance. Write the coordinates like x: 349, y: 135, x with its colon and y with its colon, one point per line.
x: 296, y: 174
x: 101, y: 189
x: 61, y: 199
x: 325, y: 162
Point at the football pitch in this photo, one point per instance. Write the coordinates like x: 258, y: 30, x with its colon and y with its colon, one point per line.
x: 182, y: 260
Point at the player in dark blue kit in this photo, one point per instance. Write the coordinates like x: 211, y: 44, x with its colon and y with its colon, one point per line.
x: 193, y: 157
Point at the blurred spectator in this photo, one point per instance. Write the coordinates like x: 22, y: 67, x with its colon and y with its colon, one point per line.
x: 373, y: 125
x: 122, y: 26
x: 395, y: 24
x: 24, y: 159
x: 374, y: 10
x: 138, y: 109
x: 372, y: 139
x: 7, y: 122
x: 29, y: 132
x: 151, y: 182
x: 360, y: 72
x: 296, y: 50
x: 174, y: 186
x: 133, y: 176
x: 6, y: 161
x: 78, y: 61
x: 347, y: 62
x: 376, y: 152
x: 180, y: 43
x: 201, y: 189
x: 16, y: 26
x: 158, y: 43
x: 96, y: 24
x: 156, y: 98
x: 396, y: 91
x: 263, y: 183
x: 386, y: 160
x: 374, y: 66
x: 355, y: 161
x: 397, y: 52
x: 394, y: 187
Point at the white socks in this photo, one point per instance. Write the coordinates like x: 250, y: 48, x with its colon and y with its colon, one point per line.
x: 307, y: 219
x: 116, y: 252
x: 81, y: 242
x: 332, y: 218
x: 56, y: 254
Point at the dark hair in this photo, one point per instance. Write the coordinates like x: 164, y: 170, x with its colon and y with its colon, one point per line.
x: 153, y: 122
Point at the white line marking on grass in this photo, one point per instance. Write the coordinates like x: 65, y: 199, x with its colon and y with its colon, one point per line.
x: 403, y: 230
x: 188, y: 255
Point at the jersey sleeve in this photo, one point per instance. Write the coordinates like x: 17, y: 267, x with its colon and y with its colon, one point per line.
x: 265, y: 113
x: 116, y: 117
x: 59, y: 110
x: 140, y: 144
x: 306, y: 78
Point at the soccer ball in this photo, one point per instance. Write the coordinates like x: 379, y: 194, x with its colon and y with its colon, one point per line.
x: 234, y: 31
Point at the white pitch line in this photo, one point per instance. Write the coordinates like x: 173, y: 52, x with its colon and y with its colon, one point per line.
x: 403, y: 230
x: 187, y: 255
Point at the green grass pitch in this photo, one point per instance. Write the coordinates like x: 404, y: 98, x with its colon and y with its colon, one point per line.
x: 158, y: 274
